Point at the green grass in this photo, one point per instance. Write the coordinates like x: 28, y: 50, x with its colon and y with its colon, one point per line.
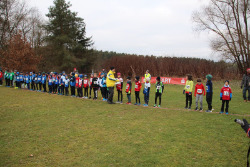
x: 65, y: 131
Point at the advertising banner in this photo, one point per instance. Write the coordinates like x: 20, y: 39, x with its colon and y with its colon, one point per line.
x: 168, y: 80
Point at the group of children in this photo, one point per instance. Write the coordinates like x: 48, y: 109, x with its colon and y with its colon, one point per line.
x: 60, y: 83
x: 225, y: 94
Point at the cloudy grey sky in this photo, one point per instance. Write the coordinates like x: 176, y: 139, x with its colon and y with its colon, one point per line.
x: 147, y: 27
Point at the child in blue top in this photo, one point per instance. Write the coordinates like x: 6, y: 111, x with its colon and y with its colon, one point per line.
x: 17, y: 80
x: 27, y: 80
x: 39, y: 81
x: 59, y: 84
x: 50, y: 83
x: 104, y: 88
x: 44, y: 78
x: 72, y: 83
x: 66, y: 84
x: 21, y: 79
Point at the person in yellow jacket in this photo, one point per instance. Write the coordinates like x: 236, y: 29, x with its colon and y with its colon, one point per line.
x: 188, y: 91
x: 111, y: 81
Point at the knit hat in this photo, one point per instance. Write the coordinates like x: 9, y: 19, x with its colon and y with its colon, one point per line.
x: 158, y: 78
x: 80, y: 75
x: 111, y: 68
x: 118, y: 73
x: 129, y: 77
x: 137, y: 78
x: 209, y: 77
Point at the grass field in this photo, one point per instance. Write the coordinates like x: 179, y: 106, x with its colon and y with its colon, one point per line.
x: 66, y: 131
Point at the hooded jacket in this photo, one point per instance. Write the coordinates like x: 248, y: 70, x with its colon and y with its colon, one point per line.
x: 111, y: 80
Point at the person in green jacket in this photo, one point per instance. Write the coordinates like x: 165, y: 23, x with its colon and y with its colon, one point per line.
x: 11, y: 78
x: 188, y: 91
x: 7, y: 78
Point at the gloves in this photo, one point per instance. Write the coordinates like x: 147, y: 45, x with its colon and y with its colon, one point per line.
x: 184, y: 91
x: 220, y: 98
x: 190, y: 93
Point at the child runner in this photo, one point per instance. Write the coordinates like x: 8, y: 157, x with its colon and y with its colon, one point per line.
x: 1, y: 77
x: 188, y: 90
x: 39, y: 81
x: 50, y: 83
x: 80, y: 84
x: 21, y: 77
x: 27, y: 80
x: 17, y: 80
x: 90, y: 83
x: 66, y: 84
x: 198, y: 93
x: 104, y: 87
x: 225, y: 96
x: 159, y: 90
x: 146, y: 91
x: 128, y: 89
x: 119, y: 86
x: 72, y: 84
x: 86, y: 86
x: 209, y: 90
x: 44, y: 78
x: 137, y: 90
x: 11, y: 78
x: 100, y: 84
x: 95, y: 86
x: 30, y: 78
x: 36, y: 82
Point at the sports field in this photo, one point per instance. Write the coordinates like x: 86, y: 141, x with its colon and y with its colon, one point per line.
x: 65, y: 131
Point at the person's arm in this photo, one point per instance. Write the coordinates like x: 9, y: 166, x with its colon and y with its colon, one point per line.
x: 162, y: 87
x: 195, y: 90
x: 221, y: 93
x: 204, y: 90
x: 112, y: 79
x: 230, y: 90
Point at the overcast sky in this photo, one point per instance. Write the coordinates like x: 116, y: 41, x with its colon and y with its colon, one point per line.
x: 147, y: 27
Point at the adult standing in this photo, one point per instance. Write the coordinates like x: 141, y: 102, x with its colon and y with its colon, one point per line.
x: 245, y: 84
x: 147, y: 76
x: 111, y: 80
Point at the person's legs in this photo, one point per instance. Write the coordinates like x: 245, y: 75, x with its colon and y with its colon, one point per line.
x: 186, y: 100
x: 227, y: 105
x: 159, y: 99
x: 190, y: 100
x: 222, y: 106
x: 148, y: 94
x: 244, y: 93
x: 196, y: 101
x: 118, y: 95
x: 129, y: 98
x: 111, y: 93
x: 201, y: 101
x: 156, y: 95
x: 90, y: 89
x: 136, y: 96
x: 248, y: 93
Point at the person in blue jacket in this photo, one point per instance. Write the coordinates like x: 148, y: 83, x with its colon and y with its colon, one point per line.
x: 44, y: 79
x: 30, y: 78
x: 209, y: 90
x: 59, y: 84
x: 36, y: 81
x: 39, y: 81
x: 27, y: 80
x: 72, y: 84
x: 66, y: 84
x: 33, y: 81
x: 50, y: 83
x: 21, y: 80
x: 104, y: 87
x: 56, y: 83
x: 17, y: 80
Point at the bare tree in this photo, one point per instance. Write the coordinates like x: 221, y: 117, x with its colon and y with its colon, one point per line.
x: 228, y: 22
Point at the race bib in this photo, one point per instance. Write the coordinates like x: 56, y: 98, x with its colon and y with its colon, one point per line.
x: 207, y: 88
x: 226, y: 93
x: 95, y: 82
x: 39, y: 79
x: 17, y: 77
x: 188, y: 86
x: 136, y: 86
x: 158, y: 87
x: 85, y: 82
x: 199, y: 90
x: 35, y: 79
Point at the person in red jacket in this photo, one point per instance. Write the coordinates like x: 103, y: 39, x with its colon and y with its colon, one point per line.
x: 225, y: 96
x: 128, y: 89
x: 137, y: 90
x: 86, y: 86
x: 198, y: 93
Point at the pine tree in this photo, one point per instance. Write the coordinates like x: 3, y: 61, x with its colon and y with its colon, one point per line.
x: 67, y: 35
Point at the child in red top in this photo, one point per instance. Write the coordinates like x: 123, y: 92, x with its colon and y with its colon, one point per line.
x: 119, y: 86
x: 128, y: 90
x: 198, y: 93
x: 225, y: 96
x: 137, y: 90
x: 86, y: 86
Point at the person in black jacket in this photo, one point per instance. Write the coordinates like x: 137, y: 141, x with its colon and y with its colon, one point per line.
x: 245, y: 84
x: 95, y: 85
x: 209, y: 90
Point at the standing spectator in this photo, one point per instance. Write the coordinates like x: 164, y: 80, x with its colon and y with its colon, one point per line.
x: 225, y: 96
x: 188, y: 90
x: 245, y: 84
x: 111, y: 80
x: 209, y: 96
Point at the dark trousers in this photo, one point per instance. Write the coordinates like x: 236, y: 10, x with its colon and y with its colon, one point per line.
x: 86, y: 93
x: 44, y: 87
x: 137, y: 97
x: 209, y: 97
x: 146, y: 98
x: 110, y: 94
x: 66, y: 91
x: 1, y: 81
x: 227, y: 105
x: 90, y: 89
x: 7, y: 82
x: 32, y: 85
x: 245, y: 89
x: 50, y: 88
x: 148, y: 94
x: 59, y: 89
x: 120, y: 96
x: 37, y: 86
x: 40, y: 86
x: 11, y: 82
x: 157, y: 94
x: 95, y: 92
x: 28, y: 85
x: 62, y: 89
x: 101, y: 89
x: 105, y: 93
x: 129, y: 98
x: 79, y: 92
x: 17, y: 84
x: 73, y: 91
x: 188, y: 99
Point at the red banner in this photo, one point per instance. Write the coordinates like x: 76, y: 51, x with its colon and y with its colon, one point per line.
x: 167, y: 80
